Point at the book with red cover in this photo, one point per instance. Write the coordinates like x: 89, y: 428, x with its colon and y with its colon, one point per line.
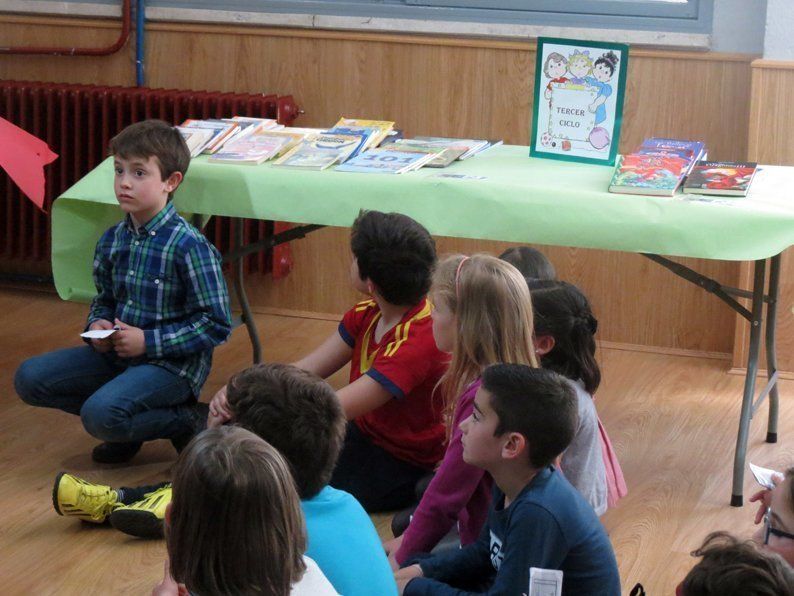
x: 645, y: 174
x: 730, y: 178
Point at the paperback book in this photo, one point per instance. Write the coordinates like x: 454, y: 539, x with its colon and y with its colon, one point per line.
x: 386, y: 161
x: 728, y: 178
x: 383, y: 128
x: 321, y: 151
x: 195, y: 138
x: 648, y: 174
x: 252, y: 149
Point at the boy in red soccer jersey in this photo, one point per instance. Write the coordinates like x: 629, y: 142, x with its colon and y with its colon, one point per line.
x: 395, y: 434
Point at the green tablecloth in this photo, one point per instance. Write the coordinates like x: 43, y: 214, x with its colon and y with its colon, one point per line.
x: 518, y: 199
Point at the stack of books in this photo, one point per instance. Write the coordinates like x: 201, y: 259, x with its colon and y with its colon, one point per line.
x: 658, y: 167
x: 216, y: 133
x: 259, y: 146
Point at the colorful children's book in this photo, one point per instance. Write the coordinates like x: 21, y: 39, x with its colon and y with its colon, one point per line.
x: 252, y: 149
x: 648, y: 174
x: 472, y: 146
x: 195, y: 138
x: 221, y: 131
x: 365, y: 132
x: 383, y: 127
x: 692, y: 151
x: 730, y: 178
x: 316, y: 152
x: 444, y: 155
x: 386, y: 161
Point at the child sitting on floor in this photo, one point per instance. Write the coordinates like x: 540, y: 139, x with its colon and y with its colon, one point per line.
x: 160, y: 287
x: 564, y: 330
x: 532, y: 263
x: 235, y: 525
x: 482, y: 314
x: 299, y: 414
x: 523, y: 419
x: 395, y: 434
x: 729, y: 567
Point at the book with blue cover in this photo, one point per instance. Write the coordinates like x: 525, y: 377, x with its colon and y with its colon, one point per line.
x: 385, y: 161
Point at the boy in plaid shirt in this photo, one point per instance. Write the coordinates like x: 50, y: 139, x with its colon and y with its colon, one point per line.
x: 160, y: 287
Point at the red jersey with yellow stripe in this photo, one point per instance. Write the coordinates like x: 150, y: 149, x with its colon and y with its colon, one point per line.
x: 407, y: 363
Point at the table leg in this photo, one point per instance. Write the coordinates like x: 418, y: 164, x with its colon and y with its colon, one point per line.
x: 239, y: 287
x: 771, y: 354
x: 749, y: 384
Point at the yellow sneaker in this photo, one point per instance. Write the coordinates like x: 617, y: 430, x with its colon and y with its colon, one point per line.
x: 75, y: 497
x: 144, y: 518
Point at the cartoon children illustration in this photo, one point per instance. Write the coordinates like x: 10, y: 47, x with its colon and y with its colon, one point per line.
x: 580, y: 65
x: 603, y: 70
x: 554, y: 68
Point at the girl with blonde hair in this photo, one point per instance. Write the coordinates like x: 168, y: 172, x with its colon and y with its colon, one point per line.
x: 482, y: 314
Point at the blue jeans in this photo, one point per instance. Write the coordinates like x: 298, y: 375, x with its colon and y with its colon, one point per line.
x: 116, y: 402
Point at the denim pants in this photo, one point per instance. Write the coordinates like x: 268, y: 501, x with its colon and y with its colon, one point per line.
x: 117, y: 403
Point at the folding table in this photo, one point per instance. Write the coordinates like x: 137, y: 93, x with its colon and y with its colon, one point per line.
x: 500, y: 194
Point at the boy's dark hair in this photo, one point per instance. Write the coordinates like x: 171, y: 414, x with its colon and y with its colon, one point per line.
x: 296, y: 412
x: 730, y: 567
x: 236, y: 525
x: 536, y: 403
x: 396, y: 253
x: 562, y: 311
x: 532, y: 263
x: 153, y: 138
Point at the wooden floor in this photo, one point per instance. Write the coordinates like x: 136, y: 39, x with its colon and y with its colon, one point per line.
x: 672, y: 420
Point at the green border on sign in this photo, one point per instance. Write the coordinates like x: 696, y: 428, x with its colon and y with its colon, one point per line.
x: 615, y: 140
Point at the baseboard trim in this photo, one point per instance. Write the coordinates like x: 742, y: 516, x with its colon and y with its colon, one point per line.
x: 742, y: 371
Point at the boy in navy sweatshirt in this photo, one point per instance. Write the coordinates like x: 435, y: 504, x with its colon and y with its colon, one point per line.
x: 523, y: 419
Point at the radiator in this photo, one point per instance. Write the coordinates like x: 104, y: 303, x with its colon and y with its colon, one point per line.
x: 78, y: 121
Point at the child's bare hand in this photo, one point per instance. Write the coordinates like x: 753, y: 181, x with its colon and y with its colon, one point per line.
x: 391, y: 547
x: 403, y: 576
x: 764, y: 497
x: 219, y: 407
x: 101, y: 345
x: 128, y: 341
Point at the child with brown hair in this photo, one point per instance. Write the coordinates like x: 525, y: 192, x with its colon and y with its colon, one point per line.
x: 161, y: 296
x: 730, y: 567
x: 232, y: 488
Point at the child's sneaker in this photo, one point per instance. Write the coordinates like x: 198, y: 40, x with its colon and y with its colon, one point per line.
x: 74, y: 497
x: 115, y: 453
x: 143, y: 518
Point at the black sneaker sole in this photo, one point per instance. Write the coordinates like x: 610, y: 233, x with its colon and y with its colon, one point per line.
x: 55, y: 493
x: 141, y: 524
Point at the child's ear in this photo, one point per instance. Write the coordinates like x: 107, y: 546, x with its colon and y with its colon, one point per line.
x: 371, y: 287
x: 514, y: 446
x: 543, y: 344
x: 173, y: 181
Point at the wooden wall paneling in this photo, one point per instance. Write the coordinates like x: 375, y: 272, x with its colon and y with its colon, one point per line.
x: 770, y: 142
x: 440, y: 86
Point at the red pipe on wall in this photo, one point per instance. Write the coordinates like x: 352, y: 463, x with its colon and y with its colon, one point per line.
x: 126, y: 19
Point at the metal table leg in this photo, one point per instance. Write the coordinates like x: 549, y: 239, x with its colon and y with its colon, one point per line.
x: 771, y: 347
x: 749, y: 384
x: 246, y: 315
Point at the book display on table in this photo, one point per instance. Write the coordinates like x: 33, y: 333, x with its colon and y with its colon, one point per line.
x: 252, y: 149
x: 725, y: 178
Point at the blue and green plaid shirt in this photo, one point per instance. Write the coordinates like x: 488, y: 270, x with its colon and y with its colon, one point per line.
x: 164, y: 278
